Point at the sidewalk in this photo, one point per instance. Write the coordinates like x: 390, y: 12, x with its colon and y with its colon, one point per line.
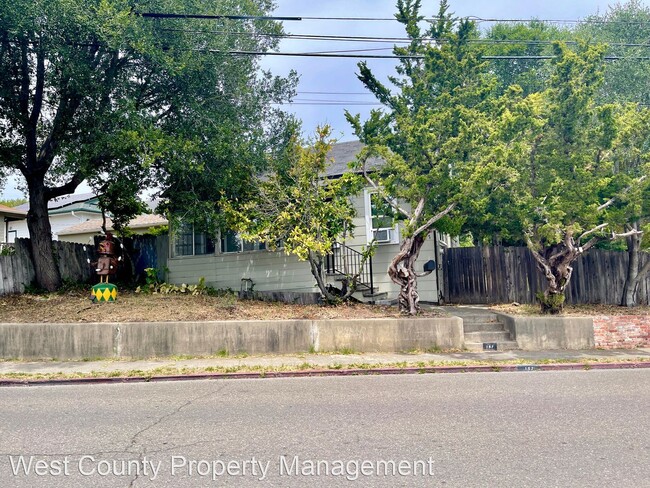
x: 320, y: 361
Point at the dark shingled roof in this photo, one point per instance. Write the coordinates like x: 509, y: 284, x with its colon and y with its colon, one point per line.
x: 342, y: 154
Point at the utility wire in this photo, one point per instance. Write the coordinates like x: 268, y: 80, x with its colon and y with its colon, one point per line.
x: 400, y: 40
x: 161, y: 15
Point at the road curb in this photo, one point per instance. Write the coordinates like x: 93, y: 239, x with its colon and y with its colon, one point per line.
x: 331, y: 372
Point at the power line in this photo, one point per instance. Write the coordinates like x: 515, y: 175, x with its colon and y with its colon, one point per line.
x: 162, y: 15
x: 374, y: 39
x: 392, y: 56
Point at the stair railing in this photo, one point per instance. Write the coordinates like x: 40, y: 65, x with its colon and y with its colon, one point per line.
x: 345, y: 261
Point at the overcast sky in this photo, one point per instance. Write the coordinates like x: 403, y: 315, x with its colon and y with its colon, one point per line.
x: 329, y: 85
x: 335, y: 78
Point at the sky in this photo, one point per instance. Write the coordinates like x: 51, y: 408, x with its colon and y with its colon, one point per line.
x: 328, y: 86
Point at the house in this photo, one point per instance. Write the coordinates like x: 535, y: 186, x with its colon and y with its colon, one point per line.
x: 9, y: 215
x: 63, y: 211
x: 225, y: 261
x: 85, y: 232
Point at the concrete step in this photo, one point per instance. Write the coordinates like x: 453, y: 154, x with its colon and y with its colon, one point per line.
x: 487, y: 336
x: 479, y: 318
x: 501, y: 346
x: 481, y: 326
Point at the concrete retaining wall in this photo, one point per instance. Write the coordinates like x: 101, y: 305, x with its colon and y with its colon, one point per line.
x: 141, y: 340
x: 538, y: 333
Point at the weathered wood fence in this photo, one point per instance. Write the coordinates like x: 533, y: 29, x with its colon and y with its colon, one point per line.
x: 17, y: 270
x: 509, y: 274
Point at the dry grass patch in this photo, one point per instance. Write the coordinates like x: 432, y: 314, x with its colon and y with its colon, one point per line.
x: 132, y: 307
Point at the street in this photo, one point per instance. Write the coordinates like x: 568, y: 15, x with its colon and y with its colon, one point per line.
x: 582, y: 429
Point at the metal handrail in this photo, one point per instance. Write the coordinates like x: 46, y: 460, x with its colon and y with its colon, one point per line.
x: 346, y: 261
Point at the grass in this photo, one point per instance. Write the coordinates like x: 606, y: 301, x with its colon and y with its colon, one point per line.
x: 263, y: 371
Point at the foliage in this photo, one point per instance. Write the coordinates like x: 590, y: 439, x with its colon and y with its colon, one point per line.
x: 7, y: 250
x: 552, y: 172
x: 429, y: 133
x: 14, y: 202
x: 91, y: 90
x: 626, y: 79
x: 153, y: 286
x: 526, y: 40
x: 297, y: 205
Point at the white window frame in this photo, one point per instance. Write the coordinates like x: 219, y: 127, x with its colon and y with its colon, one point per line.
x: 370, y: 231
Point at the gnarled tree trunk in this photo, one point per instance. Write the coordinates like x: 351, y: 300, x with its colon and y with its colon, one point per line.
x: 555, y: 262
x: 402, y: 272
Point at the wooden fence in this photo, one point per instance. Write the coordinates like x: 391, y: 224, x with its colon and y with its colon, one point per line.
x: 17, y: 270
x: 509, y: 274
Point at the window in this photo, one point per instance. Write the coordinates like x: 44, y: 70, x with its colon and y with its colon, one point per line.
x: 190, y: 242
x: 382, y: 220
x: 232, y: 242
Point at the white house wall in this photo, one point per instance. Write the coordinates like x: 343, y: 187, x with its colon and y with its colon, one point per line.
x: 269, y: 270
x: 3, y: 229
x: 57, y: 221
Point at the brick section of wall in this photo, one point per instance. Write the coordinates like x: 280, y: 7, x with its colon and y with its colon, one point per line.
x: 622, y: 331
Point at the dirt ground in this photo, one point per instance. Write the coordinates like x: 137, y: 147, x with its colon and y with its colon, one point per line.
x: 132, y: 307
x: 574, y: 310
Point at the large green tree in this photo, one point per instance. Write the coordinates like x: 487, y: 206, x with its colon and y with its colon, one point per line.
x: 555, y: 161
x: 91, y: 89
x: 430, y: 133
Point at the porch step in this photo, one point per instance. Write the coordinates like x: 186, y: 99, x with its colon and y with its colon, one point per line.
x: 501, y: 346
x: 374, y: 294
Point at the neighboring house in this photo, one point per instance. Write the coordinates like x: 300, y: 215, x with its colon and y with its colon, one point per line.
x: 225, y: 261
x: 63, y: 211
x: 85, y: 232
x: 8, y: 215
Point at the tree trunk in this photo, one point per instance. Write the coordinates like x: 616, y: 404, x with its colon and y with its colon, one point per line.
x: 555, y: 262
x: 634, y: 275
x: 40, y: 234
x: 402, y: 272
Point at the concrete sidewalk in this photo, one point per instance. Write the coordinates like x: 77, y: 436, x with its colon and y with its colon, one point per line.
x: 320, y: 361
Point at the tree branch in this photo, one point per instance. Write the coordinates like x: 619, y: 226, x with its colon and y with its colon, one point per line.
x: 591, y: 231
x: 65, y: 189
x: 612, y: 200
x: 381, y: 193
x: 434, y: 219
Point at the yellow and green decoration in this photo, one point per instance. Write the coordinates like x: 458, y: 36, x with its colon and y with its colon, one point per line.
x: 103, y: 292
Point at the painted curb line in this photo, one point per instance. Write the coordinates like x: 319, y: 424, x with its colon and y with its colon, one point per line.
x: 331, y: 372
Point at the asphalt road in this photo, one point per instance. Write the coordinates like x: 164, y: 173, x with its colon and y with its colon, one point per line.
x: 564, y: 429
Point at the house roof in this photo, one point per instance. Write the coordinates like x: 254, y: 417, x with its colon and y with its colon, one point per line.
x: 95, y: 225
x: 63, y: 201
x: 342, y: 154
x: 12, y: 212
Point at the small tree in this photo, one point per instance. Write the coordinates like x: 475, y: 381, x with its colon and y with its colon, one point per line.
x: 296, y: 205
x: 429, y: 135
